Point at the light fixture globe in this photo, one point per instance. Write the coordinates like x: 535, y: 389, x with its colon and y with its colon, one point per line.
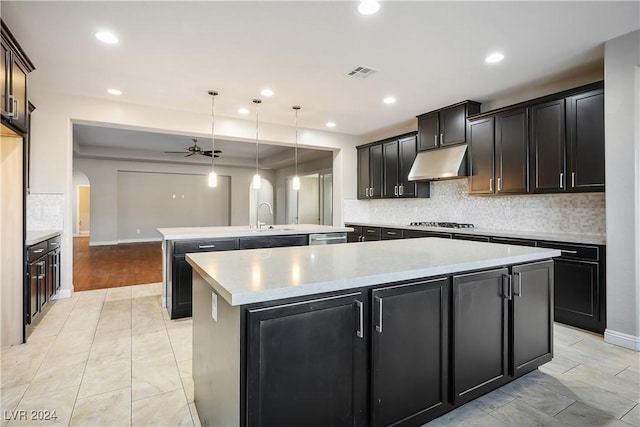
x: 368, y: 7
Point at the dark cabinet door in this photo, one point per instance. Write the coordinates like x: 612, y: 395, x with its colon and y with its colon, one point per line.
x: 481, y: 156
x: 34, y: 273
x: 428, y: 133
x: 512, y: 152
x: 577, y: 294
x: 363, y: 173
x: 272, y: 241
x: 452, y: 125
x: 547, y: 145
x: 20, y: 107
x: 182, y: 288
x: 406, y: 155
x: 51, y: 274
x: 390, y: 169
x: 531, y: 333
x: 410, y: 360
x: 585, y: 120
x: 480, y: 325
x: 375, y: 165
x: 307, y: 363
x: 4, y: 80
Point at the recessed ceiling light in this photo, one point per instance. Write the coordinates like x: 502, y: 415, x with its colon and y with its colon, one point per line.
x: 107, y: 37
x: 331, y: 124
x: 266, y: 92
x: 114, y: 91
x: 494, y: 57
x: 243, y: 111
x: 389, y: 100
x: 368, y: 7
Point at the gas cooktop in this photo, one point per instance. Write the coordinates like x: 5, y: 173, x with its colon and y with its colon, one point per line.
x: 441, y: 224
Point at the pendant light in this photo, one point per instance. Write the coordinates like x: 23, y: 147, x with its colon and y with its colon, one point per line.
x: 295, y: 183
x: 213, y: 178
x: 256, y: 177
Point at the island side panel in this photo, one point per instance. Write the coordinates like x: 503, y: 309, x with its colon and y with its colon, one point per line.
x: 216, y: 358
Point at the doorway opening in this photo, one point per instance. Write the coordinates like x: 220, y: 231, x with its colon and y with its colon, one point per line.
x: 84, y: 211
x: 313, y: 203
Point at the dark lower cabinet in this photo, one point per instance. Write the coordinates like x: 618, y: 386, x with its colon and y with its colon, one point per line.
x: 410, y: 357
x: 307, y: 363
x: 577, y: 294
x: 272, y: 241
x: 502, y: 326
x: 531, y: 317
x: 480, y: 326
x: 42, y: 277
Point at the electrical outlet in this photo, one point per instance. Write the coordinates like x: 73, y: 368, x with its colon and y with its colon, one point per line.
x: 214, y: 306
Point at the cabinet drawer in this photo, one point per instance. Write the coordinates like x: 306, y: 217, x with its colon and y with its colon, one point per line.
x: 206, y: 245
x: 272, y: 241
x: 391, y: 233
x: 37, y: 250
x: 512, y: 241
x: 357, y: 229
x: 591, y: 253
x: 471, y: 237
x: 54, y: 243
x: 372, y: 232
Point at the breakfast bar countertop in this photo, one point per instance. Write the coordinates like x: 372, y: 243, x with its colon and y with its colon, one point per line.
x: 253, y: 276
x: 185, y: 233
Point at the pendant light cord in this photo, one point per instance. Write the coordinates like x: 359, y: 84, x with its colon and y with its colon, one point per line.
x: 257, y: 102
x: 213, y: 94
x: 296, y: 108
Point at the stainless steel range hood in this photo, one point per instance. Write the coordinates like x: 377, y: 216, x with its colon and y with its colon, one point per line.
x: 442, y: 163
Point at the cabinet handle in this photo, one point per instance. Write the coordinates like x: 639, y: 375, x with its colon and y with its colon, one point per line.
x: 573, y: 180
x: 379, y: 325
x: 518, y: 293
x: 401, y: 189
x: 206, y: 246
x: 370, y: 191
x: 568, y: 252
x: 11, y: 113
x: 491, y: 185
x: 441, y: 138
x: 16, y: 110
x: 38, y: 251
x: 366, y: 192
x: 508, y: 294
x: 561, y: 179
x: 359, y: 333
x: 395, y: 190
x: 499, y: 184
x: 435, y: 140
x: 392, y: 233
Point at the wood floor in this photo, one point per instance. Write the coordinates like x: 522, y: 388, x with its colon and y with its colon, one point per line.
x: 100, y: 267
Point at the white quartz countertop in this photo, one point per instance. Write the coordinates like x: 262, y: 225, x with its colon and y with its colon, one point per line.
x: 36, y: 236
x: 592, y: 239
x: 258, y: 275
x: 185, y: 233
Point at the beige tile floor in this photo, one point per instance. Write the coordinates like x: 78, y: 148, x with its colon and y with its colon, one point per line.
x: 112, y: 357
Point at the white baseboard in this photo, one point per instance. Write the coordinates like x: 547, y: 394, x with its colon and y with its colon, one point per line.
x: 623, y: 340
x: 63, y: 293
x: 143, y: 240
x: 104, y: 243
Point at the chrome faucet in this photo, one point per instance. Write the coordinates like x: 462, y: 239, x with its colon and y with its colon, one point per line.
x: 258, y: 223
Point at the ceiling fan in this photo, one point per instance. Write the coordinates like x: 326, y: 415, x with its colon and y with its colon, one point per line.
x: 196, y: 149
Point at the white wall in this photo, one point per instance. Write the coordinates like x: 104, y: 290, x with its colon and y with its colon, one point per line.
x: 622, y: 109
x: 78, y: 179
x: 280, y: 180
x: 51, y: 150
x: 103, y: 175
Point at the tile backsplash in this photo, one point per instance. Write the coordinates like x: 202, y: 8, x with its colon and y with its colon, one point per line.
x: 45, y: 211
x: 562, y: 213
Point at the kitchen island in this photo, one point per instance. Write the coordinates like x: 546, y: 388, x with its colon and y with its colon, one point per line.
x: 373, y: 333
x: 177, y: 242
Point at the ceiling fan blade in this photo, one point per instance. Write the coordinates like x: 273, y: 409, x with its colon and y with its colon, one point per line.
x: 189, y: 155
x: 174, y: 152
x: 217, y: 151
x: 216, y: 156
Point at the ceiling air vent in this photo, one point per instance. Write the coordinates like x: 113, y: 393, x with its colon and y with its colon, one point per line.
x: 361, y: 72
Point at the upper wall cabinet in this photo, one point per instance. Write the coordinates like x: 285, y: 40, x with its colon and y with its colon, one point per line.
x: 15, y: 65
x: 446, y: 126
x: 383, y: 168
x: 567, y: 143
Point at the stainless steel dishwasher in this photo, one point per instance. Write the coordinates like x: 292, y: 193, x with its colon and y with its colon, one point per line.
x: 327, y: 238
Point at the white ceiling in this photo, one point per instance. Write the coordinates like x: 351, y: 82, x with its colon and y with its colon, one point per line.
x: 428, y: 54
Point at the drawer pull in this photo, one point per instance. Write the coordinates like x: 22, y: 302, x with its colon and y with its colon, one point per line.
x: 565, y: 251
x: 54, y: 244
x: 38, y: 251
x: 206, y: 246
